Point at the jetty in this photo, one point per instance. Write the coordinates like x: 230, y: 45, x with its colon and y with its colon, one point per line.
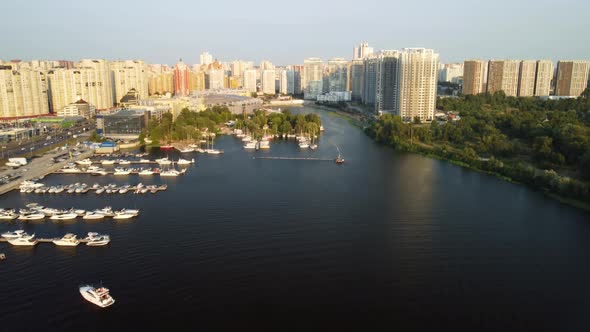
x: 45, y: 240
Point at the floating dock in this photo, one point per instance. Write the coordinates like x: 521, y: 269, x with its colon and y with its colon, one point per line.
x: 45, y: 240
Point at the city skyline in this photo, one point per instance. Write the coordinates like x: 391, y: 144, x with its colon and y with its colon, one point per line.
x: 457, y: 32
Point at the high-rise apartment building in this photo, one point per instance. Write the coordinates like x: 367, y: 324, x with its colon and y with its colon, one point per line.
x: 283, y: 78
x: 450, y: 72
x: 572, y: 78
x: 417, y: 83
x: 388, y: 82
x: 370, y: 79
x: 526, y: 78
x: 474, y: 77
x: 313, y: 75
x: 356, y: 78
x: 362, y: 51
x: 290, y: 82
x: 23, y: 92
x: 337, y: 75
x: 127, y: 75
x: 161, y: 83
x: 250, y: 80
x: 215, y: 79
x: 543, y: 77
x: 266, y: 65
x: 267, y: 80
x: 503, y: 76
x: 181, y: 78
x: 206, y: 58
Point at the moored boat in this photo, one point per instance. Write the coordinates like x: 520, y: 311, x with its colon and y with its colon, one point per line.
x: 68, y: 240
x: 99, y: 296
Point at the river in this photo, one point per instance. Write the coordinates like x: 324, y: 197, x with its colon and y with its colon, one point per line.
x: 388, y: 240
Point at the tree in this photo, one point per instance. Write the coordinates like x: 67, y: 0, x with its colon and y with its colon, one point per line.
x: 94, y: 137
x: 585, y: 165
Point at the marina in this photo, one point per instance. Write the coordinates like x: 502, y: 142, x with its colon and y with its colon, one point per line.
x: 22, y: 239
x: 29, y: 187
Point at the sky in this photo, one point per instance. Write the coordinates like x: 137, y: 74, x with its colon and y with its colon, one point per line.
x: 286, y: 32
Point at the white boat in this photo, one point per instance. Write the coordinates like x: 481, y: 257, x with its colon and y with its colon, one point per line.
x: 146, y: 172
x: 187, y: 150
x: 144, y: 160
x: 85, y: 162
x: 250, y: 145
x: 52, y: 190
x: 69, y: 169
x: 78, y: 212
x: 246, y: 138
x: 107, y: 162
x: 23, y: 241
x: 100, y: 240
x: 213, y: 151
x: 8, y: 216
x: 304, y: 145
x: 93, y: 216
x: 31, y: 184
x: 123, y: 216
x: 68, y: 240
x: 32, y: 216
x: 264, y: 144
x: 16, y: 234
x: 121, y: 171
x: 128, y: 211
x: 185, y: 162
x: 65, y: 216
x: 124, y: 190
x: 59, y: 189
x: 99, y: 191
x: 164, y: 161
x: 99, y: 296
x: 321, y: 128
x: 124, y: 162
x: 313, y: 146
x: 171, y: 172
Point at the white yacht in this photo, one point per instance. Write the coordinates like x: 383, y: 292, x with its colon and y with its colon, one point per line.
x: 8, y: 216
x: 31, y: 216
x: 187, y: 150
x: 144, y: 161
x: 99, y: 191
x: 250, y: 145
x: 99, y: 296
x: 16, y: 234
x: 313, y: 146
x: 98, y: 240
x: 128, y: 211
x: 304, y: 145
x: 122, y: 216
x: 185, y: 162
x: 68, y: 240
x: 146, y: 172
x: 213, y: 151
x: 107, y: 162
x: 71, y: 169
x: 85, y: 162
x: 170, y: 172
x: 65, y: 216
x: 265, y: 144
x: 59, y: 189
x: 93, y: 216
x: 124, y: 162
x: 164, y: 161
x: 124, y: 190
x: 23, y: 241
x: 121, y: 171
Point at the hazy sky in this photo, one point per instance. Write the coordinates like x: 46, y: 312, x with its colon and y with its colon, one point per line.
x: 286, y: 32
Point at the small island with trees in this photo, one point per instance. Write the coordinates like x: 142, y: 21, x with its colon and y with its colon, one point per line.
x: 544, y: 144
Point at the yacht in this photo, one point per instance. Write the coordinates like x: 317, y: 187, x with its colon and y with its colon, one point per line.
x: 187, y: 150
x: 124, y: 190
x: 264, y: 144
x: 24, y: 241
x: 321, y: 128
x: 170, y: 172
x: 85, y: 162
x: 78, y: 212
x: 93, y: 216
x: 213, y: 151
x: 185, y: 162
x: 163, y: 161
x: 250, y: 145
x: 146, y: 172
x: 144, y: 161
x: 59, y: 189
x: 124, y: 162
x: 71, y: 169
x: 121, y: 171
x: 68, y: 240
x: 98, y: 240
x: 107, y: 162
x: 128, y: 211
x: 304, y: 145
x: 119, y: 216
x: 52, y: 190
x: 144, y: 190
x: 8, y: 216
x: 99, y: 296
x: 313, y: 146
x: 65, y: 216
x: 16, y: 234
x: 31, y: 216
x: 99, y: 191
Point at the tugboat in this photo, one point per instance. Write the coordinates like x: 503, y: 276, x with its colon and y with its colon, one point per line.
x: 339, y: 159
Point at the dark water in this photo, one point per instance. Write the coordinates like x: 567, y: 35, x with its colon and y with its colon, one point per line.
x: 386, y: 241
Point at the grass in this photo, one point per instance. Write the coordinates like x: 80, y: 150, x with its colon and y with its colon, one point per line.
x: 570, y: 201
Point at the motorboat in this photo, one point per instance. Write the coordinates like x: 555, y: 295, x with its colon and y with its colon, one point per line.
x: 8, y: 216
x: 59, y: 189
x: 144, y: 161
x: 120, y: 216
x: 121, y: 171
x: 265, y: 144
x: 313, y: 146
x: 31, y: 184
x: 170, y: 172
x: 164, y: 161
x: 85, y: 162
x: 250, y: 145
x: 107, y: 162
x: 213, y: 151
x: 24, y: 241
x: 128, y: 211
x: 71, y: 190
x: 52, y: 190
x: 124, y: 190
x: 99, y: 296
x: 146, y: 172
x: 106, y: 211
x: 246, y: 138
x: 166, y: 147
x: 303, y: 145
x: 65, y: 216
x: 99, y: 191
x: 93, y: 216
x: 68, y: 240
x: 50, y: 212
x: 78, y: 212
x: 124, y: 162
x: 31, y: 216
x: 185, y: 162
x: 71, y: 169
x: 187, y: 150
x: 16, y: 234
x: 99, y: 240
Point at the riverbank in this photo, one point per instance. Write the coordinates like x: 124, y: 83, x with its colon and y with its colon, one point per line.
x: 353, y: 116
